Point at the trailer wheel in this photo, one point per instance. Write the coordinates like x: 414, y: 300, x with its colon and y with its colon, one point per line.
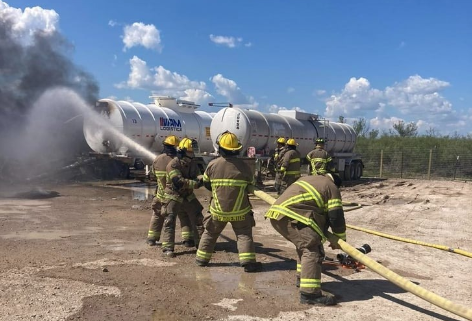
x: 347, y: 173
x: 358, y: 170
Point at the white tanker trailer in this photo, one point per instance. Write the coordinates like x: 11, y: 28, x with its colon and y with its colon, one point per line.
x: 260, y: 131
x: 147, y: 125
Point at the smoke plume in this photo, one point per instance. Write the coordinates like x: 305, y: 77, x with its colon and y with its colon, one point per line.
x: 31, y: 62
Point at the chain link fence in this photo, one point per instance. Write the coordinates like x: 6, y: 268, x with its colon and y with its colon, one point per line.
x: 421, y: 163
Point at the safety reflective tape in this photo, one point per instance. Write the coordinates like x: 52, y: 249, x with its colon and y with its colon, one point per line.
x: 294, y: 160
x: 310, y: 283
x: 249, y: 255
x: 342, y: 236
x: 174, y: 173
x: 204, y: 255
x: 314, y: 193
x: 160, y: 173
x: 335, y: 202
x: 305, y: 220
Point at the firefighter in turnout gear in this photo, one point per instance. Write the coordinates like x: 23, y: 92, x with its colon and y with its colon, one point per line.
x: 159, y: 169
x: 290, y: 164
x: 230, y: 180
x: 279, y: 153
x: 180, y: 201
x: 319, y: 159
x: 301, y: 215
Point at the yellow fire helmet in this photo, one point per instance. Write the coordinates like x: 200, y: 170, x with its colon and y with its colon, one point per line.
x: 319, y: 141
x: 229, y: 141
x: 186, y: 144
x: 281, y: 140
x: 292, y: 142
x: 171, y: 140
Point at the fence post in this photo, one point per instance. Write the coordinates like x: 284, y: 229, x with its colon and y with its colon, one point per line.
x: 381, y: 162
x: 455, y: 168
x: 429, y: 163
x: 401, y: 164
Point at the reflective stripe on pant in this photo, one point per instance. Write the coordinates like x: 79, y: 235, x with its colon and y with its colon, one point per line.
x: 157, y: 221
x: 243, y: 231
x: 290, y: 179
x: 170, y: 211
x: 278, y: 182
x: 309, y: 250
x: 193, y: 209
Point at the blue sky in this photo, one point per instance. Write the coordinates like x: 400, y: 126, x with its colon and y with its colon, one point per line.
x: 384, y: 61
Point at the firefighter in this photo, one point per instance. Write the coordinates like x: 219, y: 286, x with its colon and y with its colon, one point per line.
x: 230, y: 180
x: 290, y: 164
x: 159, y: 169
x: 180, y: 182
x: 301, y: 215
x: 279, y: 152
x: 319, y: 159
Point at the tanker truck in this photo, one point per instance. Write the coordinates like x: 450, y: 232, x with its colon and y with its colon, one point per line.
x: 116, y: 126
x: 259, y: 132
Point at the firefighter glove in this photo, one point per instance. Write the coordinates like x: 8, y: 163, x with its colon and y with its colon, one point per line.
x: 199, y: 182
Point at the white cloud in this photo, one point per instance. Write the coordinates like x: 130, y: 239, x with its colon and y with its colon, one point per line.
x: 290, y: 90
x: 415, y: 95
x: 230, y: 90
x: 414, y: 99
x: 274, y: 108
x: 230, y: 42
x: 139, y: 34
x: 112, y: 23
x: 320, y: 92
x: 356, y: 96
x: 26, y: 23
x: 159, y: 80
x: 200, y: 97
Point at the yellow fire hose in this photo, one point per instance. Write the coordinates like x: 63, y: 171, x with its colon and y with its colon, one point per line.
x: 436, y: 246
x: 388, y: 274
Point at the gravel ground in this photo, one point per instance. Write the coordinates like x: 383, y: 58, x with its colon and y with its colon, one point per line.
x: 81, y: 255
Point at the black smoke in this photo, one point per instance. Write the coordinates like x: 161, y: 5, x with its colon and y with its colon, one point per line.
x: 26, y: 73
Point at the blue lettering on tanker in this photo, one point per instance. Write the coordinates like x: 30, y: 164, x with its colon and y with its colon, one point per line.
x: 170, y: 124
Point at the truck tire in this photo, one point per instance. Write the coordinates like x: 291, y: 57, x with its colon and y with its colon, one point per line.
x: 347, y: 173
x: 358, y: 170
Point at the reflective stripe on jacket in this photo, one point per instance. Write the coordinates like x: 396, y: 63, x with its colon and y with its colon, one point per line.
x: 231, y: 179
x: 320, y: 161
x: 178, y: 183
x: 159, y: 168
x: 291, y: 162
x: 314, y: 201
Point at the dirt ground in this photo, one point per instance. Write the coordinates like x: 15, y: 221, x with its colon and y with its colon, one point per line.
x: 81, y: 255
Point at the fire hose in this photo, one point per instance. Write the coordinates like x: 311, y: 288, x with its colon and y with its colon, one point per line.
x: 397, y: 238
x: 388, y: 274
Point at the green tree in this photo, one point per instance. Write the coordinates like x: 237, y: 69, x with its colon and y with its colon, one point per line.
x: 406, y: 130
x: 361, y: 128
x: 373, y: 134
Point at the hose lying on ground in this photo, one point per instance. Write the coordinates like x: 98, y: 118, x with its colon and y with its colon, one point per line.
x: 436, y: 246
x: 388, y: 274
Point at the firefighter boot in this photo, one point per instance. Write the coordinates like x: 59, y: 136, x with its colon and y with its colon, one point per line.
x: 169, y: 253
x: 188, y: 243
x: 250, y: 267
x: 201, y: 262
x: 317, y: 299
x: 151, y: 242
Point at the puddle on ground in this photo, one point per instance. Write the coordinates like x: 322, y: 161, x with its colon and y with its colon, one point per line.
x: 139, y: 191
x: 48, y: 234
x: 122, y: 245
x: 250, y: 283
